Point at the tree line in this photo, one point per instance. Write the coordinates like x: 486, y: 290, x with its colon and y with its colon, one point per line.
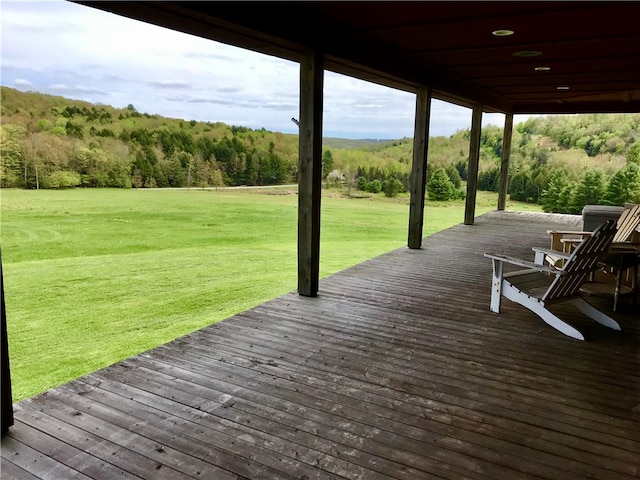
x: 560, y: 162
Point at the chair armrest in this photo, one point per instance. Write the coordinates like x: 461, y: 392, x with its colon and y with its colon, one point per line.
x: 569, y: 243
x: 572, y: 240
x: 523, y: 263
x: 624, y: 247
x: 549, y: 251
x: 569, y: 232
x: 557, y: 237
x: 554, y: 257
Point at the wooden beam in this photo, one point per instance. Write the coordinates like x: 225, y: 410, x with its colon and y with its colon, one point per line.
x: 6, y: 397
x: 504, y: 166
x: 419, y: 166
x: 310, y: 172
x: 474, y: 159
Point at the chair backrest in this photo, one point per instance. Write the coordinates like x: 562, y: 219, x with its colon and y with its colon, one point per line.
x: 627, y: 224
x: 581, y: 263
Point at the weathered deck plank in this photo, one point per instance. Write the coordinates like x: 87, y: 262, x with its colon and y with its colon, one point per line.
x: 397, y: 370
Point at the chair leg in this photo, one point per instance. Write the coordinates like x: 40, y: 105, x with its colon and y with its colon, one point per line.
x: 515, y: 295
x: 592, y: 312
x: 496, y: 285
x: 555, y: 322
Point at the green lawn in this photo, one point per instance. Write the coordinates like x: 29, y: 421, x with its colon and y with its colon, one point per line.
x: 95, y: 276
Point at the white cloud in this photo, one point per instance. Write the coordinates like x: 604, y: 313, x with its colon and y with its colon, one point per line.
x: 170, y: 84
x: 82, y: 52
x: 76, y: 90
x: 22, y: 83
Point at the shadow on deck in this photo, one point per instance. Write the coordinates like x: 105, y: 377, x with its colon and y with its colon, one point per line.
x: 397, y: 370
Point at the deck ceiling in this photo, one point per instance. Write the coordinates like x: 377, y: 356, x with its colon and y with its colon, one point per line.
x: 593, y: 48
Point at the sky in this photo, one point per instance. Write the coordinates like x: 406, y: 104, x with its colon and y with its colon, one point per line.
x: 61, y: 48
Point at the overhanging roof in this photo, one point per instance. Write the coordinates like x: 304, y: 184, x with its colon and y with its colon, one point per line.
x: 593, y: 48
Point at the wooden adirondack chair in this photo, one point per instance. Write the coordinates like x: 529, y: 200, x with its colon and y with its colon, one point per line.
x: 621, y: 261
x: 539, y: 286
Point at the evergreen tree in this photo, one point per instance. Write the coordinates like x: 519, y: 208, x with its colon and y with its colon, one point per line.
x: 440, y: 187
x: 327, y: 162
x: 454, y: 176
x: 633, y: 154
x: 551, y: 196
x: 624, y: 186
x: 174, y: 170
x: 489, y: 180
x: 564, y: 198
x: 520, y: 187
x: 589, y: 191
x: 251, y: 168
x: 461, y: 167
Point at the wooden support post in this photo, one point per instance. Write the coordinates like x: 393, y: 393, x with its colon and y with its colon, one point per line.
x: 474, y: 159
x: 6, y: 400
x: 419, y: 166
x: 310, y: 172
x: 504, y: 166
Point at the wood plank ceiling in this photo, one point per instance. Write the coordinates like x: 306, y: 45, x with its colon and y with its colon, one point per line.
x: 591, y: 50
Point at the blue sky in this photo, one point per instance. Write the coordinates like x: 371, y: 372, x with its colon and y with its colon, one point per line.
x: 62, y: 48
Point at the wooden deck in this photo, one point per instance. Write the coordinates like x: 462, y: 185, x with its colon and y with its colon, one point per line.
x: 397, y: 370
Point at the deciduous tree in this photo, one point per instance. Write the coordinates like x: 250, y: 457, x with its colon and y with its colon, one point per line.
x: 10, y: 156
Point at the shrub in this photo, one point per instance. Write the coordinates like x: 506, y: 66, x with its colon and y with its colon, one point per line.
x: 374, y: 186
x: 61, y: 179
x: 392, y: 187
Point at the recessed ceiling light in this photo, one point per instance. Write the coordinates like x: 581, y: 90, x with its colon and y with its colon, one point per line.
x: 542, y: 69
x: 527, y: 53
x: 563, y: 87
x: 502, y: 33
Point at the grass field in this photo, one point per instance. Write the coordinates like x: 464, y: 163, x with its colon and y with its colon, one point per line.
x: 94, y: 276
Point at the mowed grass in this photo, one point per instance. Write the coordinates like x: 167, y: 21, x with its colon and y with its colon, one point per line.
x: 95, y: 276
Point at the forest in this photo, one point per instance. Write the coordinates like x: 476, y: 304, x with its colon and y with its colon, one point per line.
x: 560, y: 162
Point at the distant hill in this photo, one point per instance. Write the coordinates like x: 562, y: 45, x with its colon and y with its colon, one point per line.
x: 351, y: 144
x: 15, y: 102
x: 54, y: 142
